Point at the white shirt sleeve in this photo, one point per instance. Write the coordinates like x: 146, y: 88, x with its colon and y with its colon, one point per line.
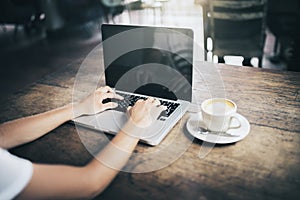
x: 15, y: 174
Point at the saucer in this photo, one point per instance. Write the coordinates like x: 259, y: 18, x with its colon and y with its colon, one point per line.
x: 235, y: 135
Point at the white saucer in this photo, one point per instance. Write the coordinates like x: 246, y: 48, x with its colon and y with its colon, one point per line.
x: 237, y: 134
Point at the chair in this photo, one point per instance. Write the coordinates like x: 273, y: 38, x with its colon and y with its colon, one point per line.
x: 17, y: 15
x: 282, y: 21
x: 112, y: 8
x: 236, y: 27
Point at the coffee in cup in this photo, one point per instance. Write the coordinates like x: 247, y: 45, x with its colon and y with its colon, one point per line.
x: 218, y: 114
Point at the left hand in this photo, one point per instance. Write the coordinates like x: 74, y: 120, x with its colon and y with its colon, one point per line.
x: 92, y: 104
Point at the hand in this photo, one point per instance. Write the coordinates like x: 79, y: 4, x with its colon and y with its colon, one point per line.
x: 143, y: 113
x: 92, y: 104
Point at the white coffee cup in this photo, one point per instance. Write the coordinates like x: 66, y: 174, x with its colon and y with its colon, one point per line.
x: 218, y: 114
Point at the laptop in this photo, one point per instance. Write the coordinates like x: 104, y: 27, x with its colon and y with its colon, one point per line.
x: 144, y: 61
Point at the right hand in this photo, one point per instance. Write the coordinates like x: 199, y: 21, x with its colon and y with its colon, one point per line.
x: 145, y: 112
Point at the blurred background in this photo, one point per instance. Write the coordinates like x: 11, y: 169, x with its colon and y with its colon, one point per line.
x: 38, y: 37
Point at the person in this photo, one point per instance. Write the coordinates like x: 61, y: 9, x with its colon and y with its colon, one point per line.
x: 21, y: 179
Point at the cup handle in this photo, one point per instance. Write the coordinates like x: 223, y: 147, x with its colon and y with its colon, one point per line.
x: 236, y: 126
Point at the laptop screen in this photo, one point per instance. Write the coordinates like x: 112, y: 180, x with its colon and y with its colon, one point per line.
x: 153, y: 61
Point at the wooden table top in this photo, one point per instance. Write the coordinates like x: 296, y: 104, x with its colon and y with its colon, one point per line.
x: 265, y: 165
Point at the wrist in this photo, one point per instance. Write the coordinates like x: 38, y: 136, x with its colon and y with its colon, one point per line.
x: 76, y: 110
x: 133, y: 130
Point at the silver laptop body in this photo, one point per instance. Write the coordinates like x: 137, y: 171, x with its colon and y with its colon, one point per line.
x: 163, y: 73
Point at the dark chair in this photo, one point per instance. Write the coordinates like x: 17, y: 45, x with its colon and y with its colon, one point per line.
x: 78, y: 12
x: 112, y: 8
x: 236, y: 27
x: 68, y: 17
x: 17, y: 15
x: 282, y: 21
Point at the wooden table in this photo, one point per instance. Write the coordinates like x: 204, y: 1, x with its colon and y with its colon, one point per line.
x: 265, y: 165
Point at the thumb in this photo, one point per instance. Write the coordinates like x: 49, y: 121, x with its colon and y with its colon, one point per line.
x: 128, y: 109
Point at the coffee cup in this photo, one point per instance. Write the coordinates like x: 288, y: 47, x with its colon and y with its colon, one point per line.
x: 218, y: 114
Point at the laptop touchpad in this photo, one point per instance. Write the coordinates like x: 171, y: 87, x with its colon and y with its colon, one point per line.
x: 110, y: 121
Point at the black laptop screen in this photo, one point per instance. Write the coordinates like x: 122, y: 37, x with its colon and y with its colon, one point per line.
x: 153, y: 61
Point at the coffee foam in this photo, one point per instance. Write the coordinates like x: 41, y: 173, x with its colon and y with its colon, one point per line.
x: 219, y: 107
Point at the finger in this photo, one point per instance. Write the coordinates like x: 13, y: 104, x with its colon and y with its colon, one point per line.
x: 105, y: 89
x: 128, y: 110
x: 162, y: 108
x: 110, y: 96
x: 156, y: 102
x: 110, y: 105
x: 150, y: 100
x: 109, y: 89
x: 139, y: 101
x: 118, y: 96
x: 156, y: 111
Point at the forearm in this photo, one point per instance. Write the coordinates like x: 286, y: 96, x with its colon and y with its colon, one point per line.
x: 111, y: 160
x: 71, y: 182
x: 26, y: 129
x: 67, y: 182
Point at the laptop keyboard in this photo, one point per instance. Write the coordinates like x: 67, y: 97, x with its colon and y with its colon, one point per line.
x: 130, y: 99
